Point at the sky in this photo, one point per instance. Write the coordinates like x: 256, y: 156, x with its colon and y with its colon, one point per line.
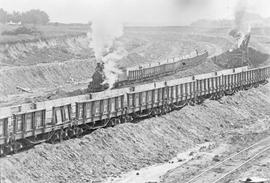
x: 145, y: 12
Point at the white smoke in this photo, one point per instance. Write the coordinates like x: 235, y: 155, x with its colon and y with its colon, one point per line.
x: 110, y: 68
x: 106, y: 27
x: 104, y: 32
x: 241, y: 25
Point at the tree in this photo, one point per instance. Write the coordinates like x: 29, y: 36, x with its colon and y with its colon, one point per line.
x: 34, y: 16
x: 15, y: 17
x: 3, y: 16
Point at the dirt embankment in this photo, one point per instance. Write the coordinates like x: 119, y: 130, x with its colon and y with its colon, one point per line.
x: 49, y: 75
x: 111, y: 151
x: 49, y: 50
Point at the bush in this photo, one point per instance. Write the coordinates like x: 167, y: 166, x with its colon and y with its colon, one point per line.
x: 34, y: 17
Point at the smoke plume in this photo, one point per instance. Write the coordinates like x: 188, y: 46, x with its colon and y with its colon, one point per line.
x: 110, y: 69
x: 241, y: 25
x: 106, y: 27
x: 104, y: 32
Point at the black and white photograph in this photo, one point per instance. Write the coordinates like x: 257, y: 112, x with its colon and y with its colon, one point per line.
x: 134, y: 91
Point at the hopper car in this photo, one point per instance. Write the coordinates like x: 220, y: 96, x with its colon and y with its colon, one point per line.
x: 56, y: 120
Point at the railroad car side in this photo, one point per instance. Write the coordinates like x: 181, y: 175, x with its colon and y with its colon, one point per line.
x: 141, y: 73
x: 21, y: 126
x: 93, y: 111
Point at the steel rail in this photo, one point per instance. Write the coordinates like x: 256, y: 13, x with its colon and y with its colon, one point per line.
x: 228, y: 158
x: 250, y: 159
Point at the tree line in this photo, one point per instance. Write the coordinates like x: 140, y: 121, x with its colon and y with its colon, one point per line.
x: 34, y: 16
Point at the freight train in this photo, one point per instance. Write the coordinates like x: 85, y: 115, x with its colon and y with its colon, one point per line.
x: 146, y: 72
x: 55, y: 120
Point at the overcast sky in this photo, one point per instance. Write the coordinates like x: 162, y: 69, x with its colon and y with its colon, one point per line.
x: 154, y: 12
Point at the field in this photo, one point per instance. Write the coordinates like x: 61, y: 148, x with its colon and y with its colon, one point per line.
x: 59, y: 61
x: 43, y: 32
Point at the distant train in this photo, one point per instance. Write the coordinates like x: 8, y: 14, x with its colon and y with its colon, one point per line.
x: 64, y: 118
x: 146, y: 72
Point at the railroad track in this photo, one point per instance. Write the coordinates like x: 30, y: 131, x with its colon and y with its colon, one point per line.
x: 231, y: 164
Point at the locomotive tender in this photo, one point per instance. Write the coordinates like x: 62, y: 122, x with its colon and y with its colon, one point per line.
x: 68, y: 117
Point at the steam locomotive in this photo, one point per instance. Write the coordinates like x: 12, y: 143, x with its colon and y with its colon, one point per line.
x: 98, y: 78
